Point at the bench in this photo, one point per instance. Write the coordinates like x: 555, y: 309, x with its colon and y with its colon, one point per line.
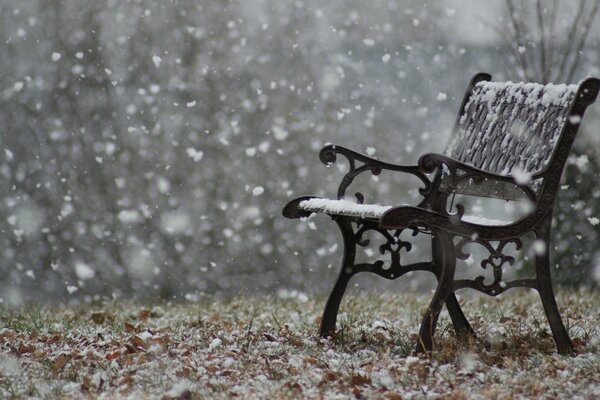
x: 510, y: 141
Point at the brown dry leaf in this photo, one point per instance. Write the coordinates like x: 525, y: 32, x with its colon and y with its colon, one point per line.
x: 293, y: 371
x: 504, y: 319
x: 183, y: 372
x: 330, y: 376
x: 60, y: 362
x: 86, y: 384
x: 215, y: 316
x: 144, y: 314
x: 129, y: 328
x: 139, y: 342
x: 392, y: 396
x: 111, y: 356
x: 359, y: 380
x: 310, y: 360
x: 127, y: 380
x: 25, y: 348
x: 53, y: 339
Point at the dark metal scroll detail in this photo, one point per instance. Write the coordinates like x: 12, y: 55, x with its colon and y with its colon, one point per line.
x: 495, y: 260
x: 328, y: 156
x: 392, y: 269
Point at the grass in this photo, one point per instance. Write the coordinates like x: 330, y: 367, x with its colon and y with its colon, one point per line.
x: 263, y: 347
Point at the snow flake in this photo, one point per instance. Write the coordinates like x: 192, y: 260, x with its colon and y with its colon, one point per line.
x: 191, y: 104
x: 370, y: 151
x: 386, y: 58
x: 84, y: 271
x: 539, y: 247
x: 194, y: 154
x: 129, y: 216
x: 56, y: 56
x: 368, y: 42
x: 521, y: 176
x: 594, y: 221
x: 156, y: 60
x: 258, y: 190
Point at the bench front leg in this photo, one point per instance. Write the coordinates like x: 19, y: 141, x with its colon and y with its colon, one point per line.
x: 328, y: 321
x: 445, y: 267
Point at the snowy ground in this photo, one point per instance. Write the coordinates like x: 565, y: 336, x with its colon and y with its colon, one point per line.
x: 268, y: 348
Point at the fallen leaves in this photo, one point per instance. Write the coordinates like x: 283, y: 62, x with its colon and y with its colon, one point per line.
x: 60, y: 362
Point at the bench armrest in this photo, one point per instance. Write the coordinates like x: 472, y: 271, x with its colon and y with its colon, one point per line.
x: 411, y: 217
x: 328, y: 156
x: 431, y: 162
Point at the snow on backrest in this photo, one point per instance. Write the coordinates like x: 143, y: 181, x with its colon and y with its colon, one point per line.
x: 505, y: 126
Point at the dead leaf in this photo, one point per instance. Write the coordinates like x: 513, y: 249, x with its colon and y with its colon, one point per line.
x: 113, y: 355
x: 359, y: 380
x: 144, y: 314
x: 129, y: 328
x: 310, y: 360
x: 139, y: 342
x: 329, y: 376
x: 86, y: 384
x: 60, y: 362
x: 25, y: 348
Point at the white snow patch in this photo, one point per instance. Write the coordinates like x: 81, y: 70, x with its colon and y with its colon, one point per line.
x: 214, y: 344
x: 441, y: 96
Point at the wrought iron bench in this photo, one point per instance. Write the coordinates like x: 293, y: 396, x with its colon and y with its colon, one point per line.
x: 510, y: 141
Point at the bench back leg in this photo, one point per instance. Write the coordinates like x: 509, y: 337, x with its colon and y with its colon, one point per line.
x: 445, y: 266
x: 544, y: 286
x: 328, y: 321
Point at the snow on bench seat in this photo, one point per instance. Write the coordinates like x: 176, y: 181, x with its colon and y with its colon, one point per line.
x: 372, y: 211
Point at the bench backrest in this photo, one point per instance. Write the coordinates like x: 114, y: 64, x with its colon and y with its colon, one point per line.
x: 503, y: 127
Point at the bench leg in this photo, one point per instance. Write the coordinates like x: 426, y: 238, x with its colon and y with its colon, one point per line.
x: 544, y: 286
x: 332, y: 306
x: 459, y: 321
x: 446, y: 263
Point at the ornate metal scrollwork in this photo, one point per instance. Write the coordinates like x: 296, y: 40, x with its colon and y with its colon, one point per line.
x: 495, y: 260
x: 393, y: 245
x: 328, y: 156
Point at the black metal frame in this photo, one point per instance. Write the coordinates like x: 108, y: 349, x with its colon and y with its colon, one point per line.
x: 440, y: 176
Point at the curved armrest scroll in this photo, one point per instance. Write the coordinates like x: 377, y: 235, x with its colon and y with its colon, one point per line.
x: 328, y: 156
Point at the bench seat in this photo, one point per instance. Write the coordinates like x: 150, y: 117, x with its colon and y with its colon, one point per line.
x: 374, y: 211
